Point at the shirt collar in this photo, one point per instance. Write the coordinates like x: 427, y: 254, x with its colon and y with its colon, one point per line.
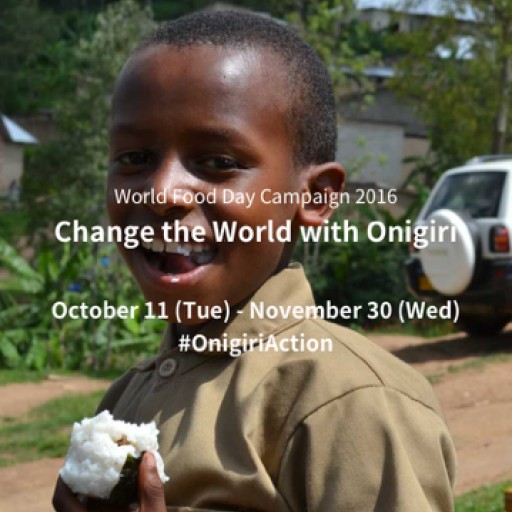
x: 285, y: 290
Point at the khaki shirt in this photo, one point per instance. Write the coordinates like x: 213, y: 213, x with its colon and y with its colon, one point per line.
x: 352, y: 430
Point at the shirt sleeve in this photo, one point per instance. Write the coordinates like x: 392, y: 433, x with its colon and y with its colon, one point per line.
x: 113, y: 393
x: 374, y: 449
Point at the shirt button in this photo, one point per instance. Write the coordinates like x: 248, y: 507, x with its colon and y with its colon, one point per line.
x: 167, y: 368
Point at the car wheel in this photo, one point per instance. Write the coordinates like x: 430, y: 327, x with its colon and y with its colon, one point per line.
x: 482, y: 325
x: 450, y: 264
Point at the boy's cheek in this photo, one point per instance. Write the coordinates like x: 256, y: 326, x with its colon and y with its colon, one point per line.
x: 114, y: 210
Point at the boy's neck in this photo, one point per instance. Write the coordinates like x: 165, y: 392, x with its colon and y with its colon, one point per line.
x: 192, y: 329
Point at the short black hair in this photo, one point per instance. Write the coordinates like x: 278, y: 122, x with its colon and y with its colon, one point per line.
x: 312, y: 111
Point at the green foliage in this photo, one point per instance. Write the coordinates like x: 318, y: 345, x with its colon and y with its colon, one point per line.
x: 168, y: 9
x: 13, y: 224
x: 21, y: 439
x: 488, y: 498
x: 458, y: 97
x: 344, y: 44
x: 12, y: 376
x: 33, y: 338
x: 75, y: 165
x: 25, y: 31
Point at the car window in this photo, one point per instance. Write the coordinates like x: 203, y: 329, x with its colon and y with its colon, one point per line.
x: 478, y: 194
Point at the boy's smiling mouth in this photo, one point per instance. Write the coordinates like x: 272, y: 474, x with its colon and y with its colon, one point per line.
x: 177, y: 258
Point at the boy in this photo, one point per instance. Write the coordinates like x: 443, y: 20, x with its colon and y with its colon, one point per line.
x: 226, y: 101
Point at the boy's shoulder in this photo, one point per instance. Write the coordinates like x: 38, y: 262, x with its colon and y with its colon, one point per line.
x: 355, y: 361
x: 348, y: 361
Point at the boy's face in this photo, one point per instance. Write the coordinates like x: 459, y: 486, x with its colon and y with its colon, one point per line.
x: 198, y: 120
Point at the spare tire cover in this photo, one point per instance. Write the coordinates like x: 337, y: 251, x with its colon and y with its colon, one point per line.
x: 449, y: 264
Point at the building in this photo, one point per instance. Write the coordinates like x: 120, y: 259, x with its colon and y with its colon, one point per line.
x: 375, y: 139
x: 13, y: 138
x: 409, y: 15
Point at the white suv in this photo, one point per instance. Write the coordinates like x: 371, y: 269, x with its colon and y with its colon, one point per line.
x: 475, y: 268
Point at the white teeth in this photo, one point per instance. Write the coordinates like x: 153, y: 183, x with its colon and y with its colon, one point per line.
x: 184, y: 249
x: 181, y: 249
x: 171, y: 246
x: 158, y: 245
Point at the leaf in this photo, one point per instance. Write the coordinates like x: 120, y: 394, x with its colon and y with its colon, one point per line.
x: 36, y: 356
x: 132, y: 325
x: 20, y: 285
x: 9, y: 353
x: 16, y: 264
x: 13, y: 315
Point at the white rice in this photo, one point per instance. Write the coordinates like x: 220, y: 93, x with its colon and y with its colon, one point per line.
x: 94, y: 460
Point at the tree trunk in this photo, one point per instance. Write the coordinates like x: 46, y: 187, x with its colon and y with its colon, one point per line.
x: 304, y: 10
x: 501, y: 122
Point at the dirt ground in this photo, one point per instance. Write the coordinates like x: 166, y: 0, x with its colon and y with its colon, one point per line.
x: 30, y: 486
x: 16, y: 399
x: 476, y: 400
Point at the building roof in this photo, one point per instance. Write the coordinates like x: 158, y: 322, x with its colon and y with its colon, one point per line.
x: 385, y: 108
x: 421, y: 8
x: 14, y: 132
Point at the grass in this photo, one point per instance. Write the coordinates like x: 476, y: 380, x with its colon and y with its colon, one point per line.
x: 479, y: 363
x: 45, y: 430
x: 15, y: 376
x: 488, y: 498
x: 11, y: 376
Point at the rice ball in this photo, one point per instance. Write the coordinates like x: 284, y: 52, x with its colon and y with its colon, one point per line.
x: 104, y: 452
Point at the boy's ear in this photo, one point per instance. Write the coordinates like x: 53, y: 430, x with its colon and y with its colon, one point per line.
x: 324, y: 182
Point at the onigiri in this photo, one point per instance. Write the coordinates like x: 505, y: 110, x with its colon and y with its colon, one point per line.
x: 104, y: 456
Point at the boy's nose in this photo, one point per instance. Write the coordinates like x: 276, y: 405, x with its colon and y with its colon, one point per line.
x: 173, y: 188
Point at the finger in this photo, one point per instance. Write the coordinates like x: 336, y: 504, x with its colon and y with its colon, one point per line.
x: 64, y: 500
x: 151, y: 490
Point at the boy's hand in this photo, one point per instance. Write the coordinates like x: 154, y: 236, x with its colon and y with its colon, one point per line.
x: 151, y: 491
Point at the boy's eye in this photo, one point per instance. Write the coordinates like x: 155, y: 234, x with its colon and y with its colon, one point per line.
x: 220, y: 163
x: 135, y: 158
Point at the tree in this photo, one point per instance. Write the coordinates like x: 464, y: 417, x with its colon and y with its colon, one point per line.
x: 25, y: 33
x: 74, y: 166
x: 343, y: 43
x: 457, y: 71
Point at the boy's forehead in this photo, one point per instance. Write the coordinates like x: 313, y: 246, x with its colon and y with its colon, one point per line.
x: 203, y: 93
x: 252, y: 73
